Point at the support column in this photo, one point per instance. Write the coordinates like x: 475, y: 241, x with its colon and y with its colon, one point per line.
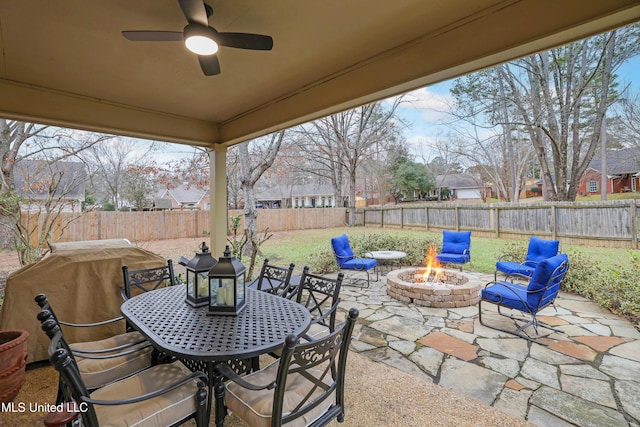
x: 218, y: 216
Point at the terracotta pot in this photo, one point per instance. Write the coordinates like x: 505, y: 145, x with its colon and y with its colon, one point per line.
x: 13, y: 360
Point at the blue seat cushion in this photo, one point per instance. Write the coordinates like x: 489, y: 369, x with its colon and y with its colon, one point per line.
x: 342, y: 249
x: 453, y: 258
x: 543, y: 280
x: 507, y: 294
x: 359, y: 264
x: 513, y: 268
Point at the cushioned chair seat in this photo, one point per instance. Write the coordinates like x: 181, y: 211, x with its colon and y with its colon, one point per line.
x: 359, y: 264
x: 160, y: 411
x: 98, y: 372
x: 256, y: 406
x: 508, y: 294
x: 453, y: 258
x: 511, y: 268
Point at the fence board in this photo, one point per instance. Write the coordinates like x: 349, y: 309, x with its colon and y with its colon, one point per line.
x: 162, y: 225
x: 610, y: 223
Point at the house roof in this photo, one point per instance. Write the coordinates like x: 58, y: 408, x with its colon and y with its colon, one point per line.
x: 185, y: 193
x: 33, y: 178
x: 66, y: 62
x: 626, y: 160
x: 278, y: 192
x: 457, y: 181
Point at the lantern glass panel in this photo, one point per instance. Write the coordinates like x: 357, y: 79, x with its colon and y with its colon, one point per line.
x: 191, y: 284
x: 240, y: 288
x: 215, y: 293
x: 229, y: 291
x: 202, y: 282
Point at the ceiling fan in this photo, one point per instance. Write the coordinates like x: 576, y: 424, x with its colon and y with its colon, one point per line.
x: 201, y: 38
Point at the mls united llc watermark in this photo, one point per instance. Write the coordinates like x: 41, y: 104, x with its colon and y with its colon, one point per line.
x: 19, y: 407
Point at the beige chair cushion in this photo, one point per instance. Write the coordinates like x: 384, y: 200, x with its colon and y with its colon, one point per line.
x: 160, y: 411
x: 98, y: 372
x: 255, y: 407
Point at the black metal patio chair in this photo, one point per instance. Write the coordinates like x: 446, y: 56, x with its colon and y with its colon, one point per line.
x: 161, y: 395
x: 276, y: 280
x: 304, y: 387
x: 137, y: 281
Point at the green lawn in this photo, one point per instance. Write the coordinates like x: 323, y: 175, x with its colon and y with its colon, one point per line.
x: 300, y: 247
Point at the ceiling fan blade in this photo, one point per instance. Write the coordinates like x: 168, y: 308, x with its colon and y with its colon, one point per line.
x: 245, y: 41
x: 209, y: 64
x: 153, y: 36
x: 194, y: 11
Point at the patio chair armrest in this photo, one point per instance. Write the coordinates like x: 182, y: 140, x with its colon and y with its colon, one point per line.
x: 100, y: 354
x: 89, y: 325
x: 229, y: 373
x: 159, y: 392
x: 328, y: 313
x: 508, y: 257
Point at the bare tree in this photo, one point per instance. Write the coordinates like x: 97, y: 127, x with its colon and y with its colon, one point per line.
x: 343, y: 141
x: 559, y: 98
x: 20, y: 140
x: 253, y: 163
x: 108, y: 163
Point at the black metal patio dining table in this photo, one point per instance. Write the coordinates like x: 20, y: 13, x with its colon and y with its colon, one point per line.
x: 201, y: 340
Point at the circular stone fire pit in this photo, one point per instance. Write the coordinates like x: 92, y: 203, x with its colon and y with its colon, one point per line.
x: 454, y: 289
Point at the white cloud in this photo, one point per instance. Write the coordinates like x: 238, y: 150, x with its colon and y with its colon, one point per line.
x: 434, y: 107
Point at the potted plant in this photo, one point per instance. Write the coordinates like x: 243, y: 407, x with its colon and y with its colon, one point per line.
x: 13, y: 360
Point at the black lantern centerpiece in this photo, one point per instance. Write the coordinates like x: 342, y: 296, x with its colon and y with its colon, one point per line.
x: 198, y: 276
x: 227, y: 286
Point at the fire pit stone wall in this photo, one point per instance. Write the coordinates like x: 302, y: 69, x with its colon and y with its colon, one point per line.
x: 455, y: 289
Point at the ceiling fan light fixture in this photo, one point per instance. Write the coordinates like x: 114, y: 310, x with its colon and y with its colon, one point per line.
x: 199, y: 41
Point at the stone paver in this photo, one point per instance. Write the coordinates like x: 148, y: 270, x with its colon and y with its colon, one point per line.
x: 587, y: 374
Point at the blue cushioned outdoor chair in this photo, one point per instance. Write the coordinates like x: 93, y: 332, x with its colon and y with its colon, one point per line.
x: 348, y: 261
x: 538, y: 250
x: 539, y: 293
x: 456, y: 247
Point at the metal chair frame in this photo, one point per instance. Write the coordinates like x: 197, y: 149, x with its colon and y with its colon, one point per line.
x: 517, y: 290
x: 63, y: 361
x: 321, y: 362
x: 147, y: 279
x: 276, y: 280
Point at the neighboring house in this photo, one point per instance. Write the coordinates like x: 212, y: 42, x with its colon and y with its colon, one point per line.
x: 297, y: 196
x: 34, y: 180
x: 463, y: 186
x: 182, y: 196
x: 623, y: 173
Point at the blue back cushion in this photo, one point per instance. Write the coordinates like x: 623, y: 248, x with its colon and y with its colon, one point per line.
x: 455, y: 242
x: 541, y: 249
x: 541, y: 279
x: 342, y: 249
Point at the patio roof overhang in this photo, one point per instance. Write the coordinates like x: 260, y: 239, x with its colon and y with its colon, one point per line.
x: 66, y: 63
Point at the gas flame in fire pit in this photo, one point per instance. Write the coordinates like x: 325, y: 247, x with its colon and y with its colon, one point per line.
x: 433, y: 270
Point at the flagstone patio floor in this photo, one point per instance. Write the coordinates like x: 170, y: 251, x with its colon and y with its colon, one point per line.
x: 588, y: 374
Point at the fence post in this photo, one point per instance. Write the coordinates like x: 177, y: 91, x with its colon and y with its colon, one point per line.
x: 457, y: 211
x: 426, y: 218
x: 381, y: 218
x: 401, y: 216
x: 634, y: 223
x: 497, y: 221
x: 553, y: 222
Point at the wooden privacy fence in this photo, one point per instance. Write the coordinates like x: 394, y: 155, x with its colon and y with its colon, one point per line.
x: 609, y: 224
x: 162, y: 225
